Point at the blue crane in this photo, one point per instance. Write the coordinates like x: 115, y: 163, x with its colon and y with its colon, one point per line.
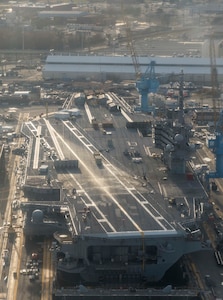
x: 147, y: 83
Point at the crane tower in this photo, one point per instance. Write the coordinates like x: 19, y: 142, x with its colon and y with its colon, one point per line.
x: 145, y: 83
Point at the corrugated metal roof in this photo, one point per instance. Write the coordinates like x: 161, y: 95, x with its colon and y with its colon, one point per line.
x: 73, y: 66
x: 159, y: 69
x: 88, y: 68
x: 76, y: 59
x: 62, y: 13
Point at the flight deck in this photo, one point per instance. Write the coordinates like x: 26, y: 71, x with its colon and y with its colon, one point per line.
x: 120, y: 194
x: 100, y: 187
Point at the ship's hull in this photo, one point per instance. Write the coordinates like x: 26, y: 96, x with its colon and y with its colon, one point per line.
x: 146, y: 257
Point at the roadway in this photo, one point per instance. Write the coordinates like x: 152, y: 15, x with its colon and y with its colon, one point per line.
x: 12, y: 227
x: 13, y: 271
x: 47, y: 272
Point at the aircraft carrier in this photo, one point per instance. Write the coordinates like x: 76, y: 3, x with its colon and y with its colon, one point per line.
x: 114, y: 190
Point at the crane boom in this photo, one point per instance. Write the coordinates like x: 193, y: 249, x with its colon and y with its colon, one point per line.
x: 130, y: 44
x: 132, y: 51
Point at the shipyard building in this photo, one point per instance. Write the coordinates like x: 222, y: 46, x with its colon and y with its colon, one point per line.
x: 116, y: 68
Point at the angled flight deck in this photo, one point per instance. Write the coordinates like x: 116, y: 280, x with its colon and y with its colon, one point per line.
x: 117, y: 213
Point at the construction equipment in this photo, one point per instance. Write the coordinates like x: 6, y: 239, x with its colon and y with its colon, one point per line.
x: 145, y: 82
x: 132, y: 48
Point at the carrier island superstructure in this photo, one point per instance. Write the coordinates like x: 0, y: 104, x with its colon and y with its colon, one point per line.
x: 132, y: 216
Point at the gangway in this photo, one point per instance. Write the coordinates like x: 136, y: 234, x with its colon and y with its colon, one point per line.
x: 125, y: 115
x: 55, y: 141
x: 32, y: 128
x: 88, y: 112
x: 125, y: 107
x: 37, y: 146
x: 68, y: 102
x: 121, y: 101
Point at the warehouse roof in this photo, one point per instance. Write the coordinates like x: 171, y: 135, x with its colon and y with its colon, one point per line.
x: 124, y: 64
x: 118, y: 59
x: 62, y: 13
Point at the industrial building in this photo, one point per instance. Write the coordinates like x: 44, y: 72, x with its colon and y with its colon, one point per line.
x: 61, y: 14
x: 116, y: 68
